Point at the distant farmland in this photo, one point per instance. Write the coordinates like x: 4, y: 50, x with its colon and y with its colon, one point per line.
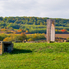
x: 62, y: 35
x: 57, y: 35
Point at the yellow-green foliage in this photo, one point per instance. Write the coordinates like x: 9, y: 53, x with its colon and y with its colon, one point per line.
x: 2, y: 36
x: 22, y: 37
x: 11, y: 37
x: 36, y: 36
x: 30, y: 39
x: 14, y: 37
x: 7, y: 39
x: 67, y: 38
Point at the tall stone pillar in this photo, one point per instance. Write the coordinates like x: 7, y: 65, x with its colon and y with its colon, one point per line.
x: 50, y: 30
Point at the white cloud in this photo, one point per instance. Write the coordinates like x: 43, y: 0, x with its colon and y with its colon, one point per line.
x: 40, y: 8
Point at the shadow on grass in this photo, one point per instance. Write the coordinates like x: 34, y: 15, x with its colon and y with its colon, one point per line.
x: 18, y: 51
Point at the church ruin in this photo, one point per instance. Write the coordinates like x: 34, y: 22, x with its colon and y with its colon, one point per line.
x: 5, y: 47
x: 50, y: 30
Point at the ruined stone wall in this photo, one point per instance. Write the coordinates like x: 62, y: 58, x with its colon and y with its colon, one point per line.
x: 6, y: 47
x: 1, y: 48
x: 50, y: 30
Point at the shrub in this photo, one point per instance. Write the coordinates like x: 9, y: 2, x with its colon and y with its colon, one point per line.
x: 30, y: 39
x: 11, y: 38
x: 68, y: 38
x: 0, y: 37
x: 6, y: 39
x: 35, y: 37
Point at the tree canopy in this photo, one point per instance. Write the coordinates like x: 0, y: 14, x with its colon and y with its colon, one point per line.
x: 32, y: 24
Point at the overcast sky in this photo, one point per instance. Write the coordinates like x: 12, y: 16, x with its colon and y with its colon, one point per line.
x: 36, y: 8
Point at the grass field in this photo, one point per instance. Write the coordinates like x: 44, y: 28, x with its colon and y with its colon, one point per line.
x: 36, y: 56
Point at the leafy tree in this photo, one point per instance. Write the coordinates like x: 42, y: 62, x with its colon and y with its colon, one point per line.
x: 22, y: 36
x: 1, y: 18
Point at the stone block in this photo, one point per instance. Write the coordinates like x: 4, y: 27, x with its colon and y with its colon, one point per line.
x: 6, y: 47
x: 1, y: 52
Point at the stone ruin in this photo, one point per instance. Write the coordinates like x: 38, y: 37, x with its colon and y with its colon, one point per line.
x: 50, y: 30
x: 5, y: 47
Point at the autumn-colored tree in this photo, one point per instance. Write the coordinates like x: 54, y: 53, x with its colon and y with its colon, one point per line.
x: 3, y: 29
x: 35, y: 36
x: 26, y: 31
x: 21, y: 30
x: 63, y: 30
x: 22, y: 36
x: 6, y: 39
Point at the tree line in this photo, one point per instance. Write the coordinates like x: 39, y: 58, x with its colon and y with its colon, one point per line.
x: 32, y: 24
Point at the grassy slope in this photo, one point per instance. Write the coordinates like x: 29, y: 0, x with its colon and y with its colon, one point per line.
x: 37, y: 56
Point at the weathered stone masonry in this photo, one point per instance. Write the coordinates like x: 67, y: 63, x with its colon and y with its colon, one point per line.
x: 6, y: 47
x: 50, y: 30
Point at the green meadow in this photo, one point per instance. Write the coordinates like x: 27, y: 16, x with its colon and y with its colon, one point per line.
x: 36, y: 56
